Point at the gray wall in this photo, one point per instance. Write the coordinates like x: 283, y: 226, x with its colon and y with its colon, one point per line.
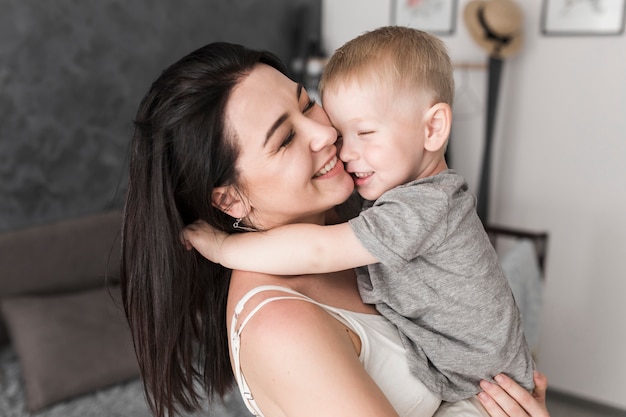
x: 72, y: 73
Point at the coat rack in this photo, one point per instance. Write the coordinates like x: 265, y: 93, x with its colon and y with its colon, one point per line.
x: 496, y: 26
x: 495, y: 71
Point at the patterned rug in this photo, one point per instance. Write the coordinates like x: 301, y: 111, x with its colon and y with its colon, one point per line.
x: 123, y: 400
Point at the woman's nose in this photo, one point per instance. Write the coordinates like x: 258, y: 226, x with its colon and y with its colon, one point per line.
x: 323, y: 136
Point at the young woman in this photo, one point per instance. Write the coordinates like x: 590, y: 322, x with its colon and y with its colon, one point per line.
x: 223, y: 135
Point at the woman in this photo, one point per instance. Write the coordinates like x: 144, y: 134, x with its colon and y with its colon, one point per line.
x: 224, y: 136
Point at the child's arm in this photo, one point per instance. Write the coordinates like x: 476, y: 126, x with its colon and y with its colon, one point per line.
x: 286, y: 250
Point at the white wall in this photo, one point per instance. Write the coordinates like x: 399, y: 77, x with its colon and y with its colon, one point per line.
x: 558, y: 166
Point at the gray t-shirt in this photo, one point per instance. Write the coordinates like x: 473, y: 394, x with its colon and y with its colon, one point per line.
x: 440, y: 282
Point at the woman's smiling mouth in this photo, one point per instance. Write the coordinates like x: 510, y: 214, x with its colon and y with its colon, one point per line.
x: 327, y: 168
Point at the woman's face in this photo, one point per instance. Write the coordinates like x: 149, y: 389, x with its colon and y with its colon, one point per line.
x: 287, y: 164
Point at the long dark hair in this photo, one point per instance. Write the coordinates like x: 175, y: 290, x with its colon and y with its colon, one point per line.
x: 175, y: 300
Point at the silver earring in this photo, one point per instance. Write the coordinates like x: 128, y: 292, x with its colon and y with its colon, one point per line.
x: 236, y: 225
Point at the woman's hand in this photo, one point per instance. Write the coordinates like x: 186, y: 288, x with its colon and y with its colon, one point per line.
x: 509, y: 399
x: 205, y: 239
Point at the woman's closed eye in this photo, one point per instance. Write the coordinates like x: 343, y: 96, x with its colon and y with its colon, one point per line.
x: 288, y: 139
x: 309, y: 105
x: 292, y: 133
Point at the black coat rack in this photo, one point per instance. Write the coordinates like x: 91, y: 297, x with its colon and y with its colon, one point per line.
x: 495, y: 70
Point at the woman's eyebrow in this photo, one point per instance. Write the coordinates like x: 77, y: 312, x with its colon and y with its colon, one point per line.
x: 282, y: 118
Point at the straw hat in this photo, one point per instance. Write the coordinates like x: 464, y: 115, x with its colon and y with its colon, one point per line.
x: 496, y: 25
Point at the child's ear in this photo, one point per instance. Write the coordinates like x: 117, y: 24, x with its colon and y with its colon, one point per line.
x: 438, y: 122
x: 229, y: 200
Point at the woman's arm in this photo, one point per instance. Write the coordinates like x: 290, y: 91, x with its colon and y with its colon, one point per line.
x: 286, y: 250
x: 299, y: 361
x: 506, y: 398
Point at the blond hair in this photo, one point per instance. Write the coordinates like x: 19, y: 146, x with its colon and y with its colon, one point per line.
x: 396, y: 58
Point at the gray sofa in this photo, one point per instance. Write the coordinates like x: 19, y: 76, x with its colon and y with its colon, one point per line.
x: 65, y: 346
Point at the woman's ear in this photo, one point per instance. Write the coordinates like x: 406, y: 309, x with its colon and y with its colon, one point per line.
x: 229, y: 200
x: 438, y: 122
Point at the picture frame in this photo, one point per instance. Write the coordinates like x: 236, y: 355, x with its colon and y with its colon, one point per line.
x: 434, y: 16
x: 583, y: 17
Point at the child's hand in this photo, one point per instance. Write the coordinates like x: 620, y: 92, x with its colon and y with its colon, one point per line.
x: 205, y: 239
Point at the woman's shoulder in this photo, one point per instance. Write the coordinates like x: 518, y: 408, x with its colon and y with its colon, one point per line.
x: 293, y: 352
x: 278, y: 323
x: 282, y: 316
x: 276, y: 309
x: 286, y: 338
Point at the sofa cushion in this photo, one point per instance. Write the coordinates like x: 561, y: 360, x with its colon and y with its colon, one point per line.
x: 70, y: 344
x: 72, y: 254
x: 69, y: 255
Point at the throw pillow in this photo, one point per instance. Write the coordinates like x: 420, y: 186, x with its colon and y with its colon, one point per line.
x: 70, y: 344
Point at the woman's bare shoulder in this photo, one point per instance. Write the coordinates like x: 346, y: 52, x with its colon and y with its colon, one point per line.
x: 293, y: 353
x: 279, y: 311
x: 282, y: 314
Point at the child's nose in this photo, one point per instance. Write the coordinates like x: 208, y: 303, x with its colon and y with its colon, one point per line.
x: 346, y: 151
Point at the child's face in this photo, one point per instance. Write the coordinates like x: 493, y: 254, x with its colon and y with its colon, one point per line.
x: 382, y: 134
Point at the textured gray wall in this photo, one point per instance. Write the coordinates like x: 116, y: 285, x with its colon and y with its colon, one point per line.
x: 72, y: 73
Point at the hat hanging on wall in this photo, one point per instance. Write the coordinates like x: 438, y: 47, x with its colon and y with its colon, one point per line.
x: 496, y: 25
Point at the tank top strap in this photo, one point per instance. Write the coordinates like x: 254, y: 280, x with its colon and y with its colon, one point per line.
x: 235, y: 334
x: 242, y: 303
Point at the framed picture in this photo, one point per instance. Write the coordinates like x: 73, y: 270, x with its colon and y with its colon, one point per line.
x: 435, y: 16
x: 583, y: 17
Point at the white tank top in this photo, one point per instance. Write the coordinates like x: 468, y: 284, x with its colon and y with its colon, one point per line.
x: 382, y: 355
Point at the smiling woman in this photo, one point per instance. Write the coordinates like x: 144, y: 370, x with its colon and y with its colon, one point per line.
x: 297, y: 146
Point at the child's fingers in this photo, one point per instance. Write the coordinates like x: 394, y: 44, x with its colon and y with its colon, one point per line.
x: 184, y: 239
x: 206, y: 240
x: 190, y: 232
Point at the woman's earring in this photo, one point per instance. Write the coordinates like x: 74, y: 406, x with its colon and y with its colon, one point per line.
x: 236, y: 225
